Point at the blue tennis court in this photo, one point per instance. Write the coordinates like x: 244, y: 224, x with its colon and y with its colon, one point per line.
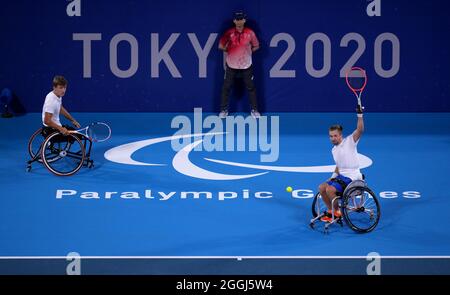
x: 123, y: 210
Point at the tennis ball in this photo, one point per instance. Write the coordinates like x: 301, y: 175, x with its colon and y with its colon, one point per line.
x: 289, y: 189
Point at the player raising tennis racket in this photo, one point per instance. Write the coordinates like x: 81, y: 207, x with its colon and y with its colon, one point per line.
x: 344, y: 151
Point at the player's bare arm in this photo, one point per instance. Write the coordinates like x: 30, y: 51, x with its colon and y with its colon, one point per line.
x: 359, y: 128
x: 69, y: 117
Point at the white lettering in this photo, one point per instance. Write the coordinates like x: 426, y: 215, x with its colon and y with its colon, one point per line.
x: 302, y: 194
x: 388, y: 195
x: 374, y: 8
x: 196, y: 195
x: 74, y: 267
x: 165, y: 196
x: 411, y: 195
x: 227, y: 195
x: 89, y: 195
x: 374, y: 267
x: 74, y: 8
x: 130, y: 195
x: 60, y: 193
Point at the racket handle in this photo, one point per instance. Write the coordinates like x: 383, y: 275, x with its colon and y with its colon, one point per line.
x: 359, y: 109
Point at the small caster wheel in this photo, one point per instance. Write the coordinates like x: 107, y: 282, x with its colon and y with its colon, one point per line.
x: 90, y: 164
x: 311, y: 225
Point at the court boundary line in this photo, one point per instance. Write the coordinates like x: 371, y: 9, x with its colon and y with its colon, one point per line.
x: 223, y: 257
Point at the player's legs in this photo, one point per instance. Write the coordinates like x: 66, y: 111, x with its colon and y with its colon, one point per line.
x: 331, y: 194
x: 328, y: 192
x: 247, y: 76
x: 226, y: 88
x: 323, y: 193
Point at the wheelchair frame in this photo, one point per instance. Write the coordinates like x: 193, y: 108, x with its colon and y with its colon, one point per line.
x: 353, y: 190
x: 47, y: 153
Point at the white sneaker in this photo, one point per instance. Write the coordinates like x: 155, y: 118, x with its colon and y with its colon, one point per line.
x: 255, y: 114
x: 223, y: 114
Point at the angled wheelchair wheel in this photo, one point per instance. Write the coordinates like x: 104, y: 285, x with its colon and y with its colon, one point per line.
x: 361, y: 209
x: 63, y: 155
x: 34, y: 144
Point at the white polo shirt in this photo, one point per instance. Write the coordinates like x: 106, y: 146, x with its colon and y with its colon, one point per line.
x: 52, y: 105
x: 346, y: 157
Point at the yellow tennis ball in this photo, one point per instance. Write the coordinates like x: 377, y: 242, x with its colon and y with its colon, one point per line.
x: 289, y: 189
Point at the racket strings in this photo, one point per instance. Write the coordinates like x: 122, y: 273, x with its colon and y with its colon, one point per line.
x: 356, y: 79
x: 356, y: 83
x: 98, y: 132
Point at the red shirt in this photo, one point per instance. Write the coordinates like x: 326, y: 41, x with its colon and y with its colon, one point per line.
x: 239, y: 47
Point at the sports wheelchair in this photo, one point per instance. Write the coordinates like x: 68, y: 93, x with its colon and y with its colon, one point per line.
x: 62, y: 154
x: 358, y: 204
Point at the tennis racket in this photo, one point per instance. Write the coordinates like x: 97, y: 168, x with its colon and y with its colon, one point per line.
x: 356, y: 79
x: 97, y: 131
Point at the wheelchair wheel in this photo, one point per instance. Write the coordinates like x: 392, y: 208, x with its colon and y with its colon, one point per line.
x: 34, y: 144
x: 318, y: 205
x: 361, y: 209
x: 63, y: 155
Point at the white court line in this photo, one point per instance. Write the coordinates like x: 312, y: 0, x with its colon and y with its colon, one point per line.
x: 223, y: 257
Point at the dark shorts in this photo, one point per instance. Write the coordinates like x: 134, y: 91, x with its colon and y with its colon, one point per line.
x: 339, y: 182
x: 46, y: 131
